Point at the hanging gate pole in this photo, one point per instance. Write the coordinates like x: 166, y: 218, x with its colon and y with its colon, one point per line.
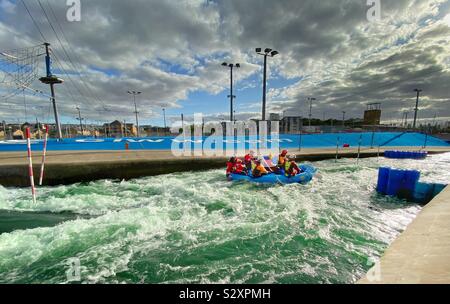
x: 426, y: 140
x: 337, y: 149
x: 373, y: 138
x: 30, y: 165
x: 41, y: 177
x: 300, y: 142
x: 359, y: 148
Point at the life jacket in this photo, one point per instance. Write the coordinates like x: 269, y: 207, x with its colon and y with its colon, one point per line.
x: 287, y: 166
x: 259, y: 170
x: 294, y: 167
x: 247, y: 158
x: 239, y: 168
x: 230, y: 167
x: 281, y: 160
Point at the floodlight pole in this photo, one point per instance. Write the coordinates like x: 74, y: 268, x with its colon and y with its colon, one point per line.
x: 417, y: 107
x: 264, y: 89
x: 231, y: 96
x: 165, y: 125
x: 134, y: 93
x: 311, y: 99
x: 81, y: 120
x: 267, y: 52
x: 231, y: 92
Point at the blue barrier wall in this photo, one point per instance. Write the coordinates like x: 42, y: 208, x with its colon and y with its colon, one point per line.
x: 388, y: 139
x: 405, y: 184
x: 405, y: 154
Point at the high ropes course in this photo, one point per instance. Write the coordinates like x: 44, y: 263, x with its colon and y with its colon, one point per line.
x: 19, y: 68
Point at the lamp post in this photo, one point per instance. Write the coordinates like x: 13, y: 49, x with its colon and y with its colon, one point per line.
x: 4, y: 130
x: 417, y: 107
x: 134, y: 93
x: 310, y: 99
x: 405, y: 118
x: 266, y: 53
x: 81, y: 120
x: 343, y: 119
x: 231, y: 96
x: 165, y: 125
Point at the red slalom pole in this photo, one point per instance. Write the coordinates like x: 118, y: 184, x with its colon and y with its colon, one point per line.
x: 41, y: 177
x: 30, y: 165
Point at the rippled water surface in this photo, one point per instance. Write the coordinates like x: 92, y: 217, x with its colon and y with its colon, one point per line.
x: 197, y: 227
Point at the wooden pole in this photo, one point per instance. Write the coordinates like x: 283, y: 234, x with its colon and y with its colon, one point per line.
x: 41, y: 177
x: 30, y: 165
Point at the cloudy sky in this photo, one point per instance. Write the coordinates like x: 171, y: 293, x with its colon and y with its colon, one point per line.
x: 172, y: 51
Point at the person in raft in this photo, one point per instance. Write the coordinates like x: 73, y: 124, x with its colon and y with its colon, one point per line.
x: 281, y: 162
x: 240, y: 168
x: 290, y: 167
x: 259, y: 169
x: 231, y: 166
x: 248, y: 160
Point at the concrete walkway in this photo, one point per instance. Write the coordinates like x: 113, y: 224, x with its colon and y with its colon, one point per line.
x: 421, y: 254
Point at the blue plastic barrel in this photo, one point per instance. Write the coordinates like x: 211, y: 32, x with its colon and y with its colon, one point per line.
x: 394, y: 182
x: 410, y: 180
x: 405, y: 155
x: 383, y: 176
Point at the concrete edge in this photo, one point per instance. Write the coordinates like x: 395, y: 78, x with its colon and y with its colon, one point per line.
x: 421, y: 253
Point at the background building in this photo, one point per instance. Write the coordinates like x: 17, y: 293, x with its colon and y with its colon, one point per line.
x: 291, y: 125
x: 119, y: 129
x: 274, y: 117
x: 372, y: 116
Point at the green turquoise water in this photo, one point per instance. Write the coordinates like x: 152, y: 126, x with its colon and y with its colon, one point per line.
x: 199, y: 228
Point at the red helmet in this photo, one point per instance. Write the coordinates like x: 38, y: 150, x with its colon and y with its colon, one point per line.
x: 284, y: 152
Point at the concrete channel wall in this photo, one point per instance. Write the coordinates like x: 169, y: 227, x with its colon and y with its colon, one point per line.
x: 68, y: 167
x: 421, y: 254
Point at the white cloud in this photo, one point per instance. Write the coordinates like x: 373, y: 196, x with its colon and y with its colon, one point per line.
x: 7, y: 6
x: 169, y: 49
